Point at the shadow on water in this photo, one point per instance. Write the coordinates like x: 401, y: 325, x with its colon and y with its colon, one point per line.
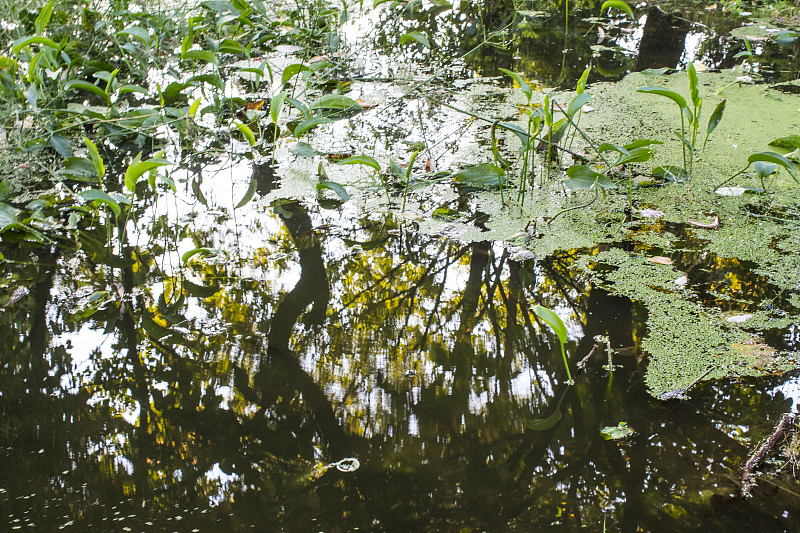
x: 418, y: 357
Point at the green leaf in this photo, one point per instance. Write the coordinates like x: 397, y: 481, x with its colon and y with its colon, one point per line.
x: 139, y: 33
x: 22, y: 42
x: 247, y: 132
x: 415, y: 36
x: 44, y: 17
x: 685, y: 141
x: 618, y: 4
x: 86, y: 86
x: 292, y: 70
x: 275, y: 106
x: 638, y: 143
x: 584, y: 178
x: 304, y: 150
x: 335, y: 187
x: 617, y: 432
x: 362, y: 160
x: 100, y: 168
x: 132, y: 89
x: 578, y: 102
x: 8, y: 216
x: 198, y: 251
x: 198, y: 291
x: 693, y: 89
x: 60, y: 145
x: 790, y: 142
x: 671, y: 173
x: 519, y: 81
x: 229, y: 46
x: 715, y: 119
x: 764, y: 169
x: 138, y: 167
x: 672, y: 95
x: 251, y: 191
x: 554, y: 321
x: 772, y: 157
x: 334, y: 101
x: 309, y: 123
x: 543, y: 424
x: 100, y: 197
x: 486, y: 175
x: 200, y: 55
x: 580, y: 87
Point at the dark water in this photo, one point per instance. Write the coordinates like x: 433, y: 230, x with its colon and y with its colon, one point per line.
x: 418, y: 357
x: 333, y: 371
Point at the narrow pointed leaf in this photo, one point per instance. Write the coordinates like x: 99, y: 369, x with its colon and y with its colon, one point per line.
x: 552, y: 320
x: 100, y: 197
x: 672, y: 95
x: 99, y: 167
x: 578, y: 102
x: 251, y: 191
x: 519, y: 81
x: 247, y: 132
x: 310, y: 123
x: 362, y: 160
x: 86, y: 86
x: 618, y: 4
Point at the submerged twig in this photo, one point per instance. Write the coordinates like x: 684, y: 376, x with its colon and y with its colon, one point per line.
x: 757, y: 457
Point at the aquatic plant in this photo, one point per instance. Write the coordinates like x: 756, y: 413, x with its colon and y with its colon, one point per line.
x: 558, y: 327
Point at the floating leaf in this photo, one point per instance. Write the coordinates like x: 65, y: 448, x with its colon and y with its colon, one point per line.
x: 362, y: 160
x: 415, y: 36
x: 485, y: 175
x: 617, y: 4
x: 618, y: 432
x: 584, y: 178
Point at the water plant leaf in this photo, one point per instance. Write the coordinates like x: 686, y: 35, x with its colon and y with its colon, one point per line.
x: 764, y: 169
x: 485, y: 175
x: 580, y: 87
x: 247, y: 132
x: 584, y: 178
x: 671, y: 173
x: 309, y: 123
x: 578, y: 102
x: 786, y: 37
x: 101, y: 197
x: 293, y: 70
x: 304, y: 150
x: 661, y: 91
x: 203, y: 252
x: 618, y: 432
x: 790, y: 142
x: 772, y: 157
x: 139, y: 33
x: 715, y: 119
x: 128, y: 88
x: 694, y: 92
x: 519, y: 81
x: 275, y: 106
x: 139, y: 167
x: 639, y: 143
x: 362, y: 160
x: 618, y: 4
x: 229, y: 46
x: 685, y: 141
x: 543, y: 424
x: 334, y: 101
x: 419, y: 37
x: 251, y: 191
x: 552, y: 320
x: 44, y: 17
x: 100, y: 168
x: 86, y: 86
x: 335, y: 187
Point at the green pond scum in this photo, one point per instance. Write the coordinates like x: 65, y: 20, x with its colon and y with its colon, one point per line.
x: 399, y: 266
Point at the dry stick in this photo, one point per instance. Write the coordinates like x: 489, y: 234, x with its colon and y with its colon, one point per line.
x: 758, y: 456
x: 585, y: 360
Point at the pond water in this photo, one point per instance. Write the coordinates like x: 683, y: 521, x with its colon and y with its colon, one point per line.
x: 319, y: 365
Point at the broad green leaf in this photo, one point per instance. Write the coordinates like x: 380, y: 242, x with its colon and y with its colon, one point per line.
x: 304, y: 150
x: 200, y: 55
x: 212, y: 79
x: 310, y: 123
x: 618, y: 432
x: 132, y: 89
x: 637, y: 155
x: 580, y: 87
x: 292, y: 70
x: 229, y: 46
x: 8, y: 215
x: 198, y: 291
x: 100, y: 197
x: 44, y: 17
x: 584, y: 178
x: 99, y: 166
x: 7, y: 62
x: 764, y: 169
x: 251, y: 191
x: 300, y: 106
x: 790, y: 142
x: 554, y: 321
x: 618, y: 4
x: 419, y: 37
x: 578, y: 102
x: 786, y: 37
x: 247, y: 132
x: 86, y: 86
x: 772, y: 157
x: 672, y: 95
x: 671, y: 173
x: 362, y: 160
x: 139, y: 33
x: 335, y: 187
x: 275, y: 106
x: 22, y: 42
x: 486, y: 175
x: 60, y: 145
x: 519, y: 81
x: 334, y: 101
x: 715, y: 119
x: 138, y: 167
x: 198, y: 251
x: 638, y: 143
